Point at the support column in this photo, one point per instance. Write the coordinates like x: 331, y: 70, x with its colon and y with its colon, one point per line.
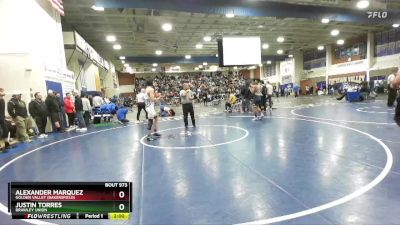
x: 370, y: 52
x: 298, y: 66
x: 278, y: 72
x: 328, y: 63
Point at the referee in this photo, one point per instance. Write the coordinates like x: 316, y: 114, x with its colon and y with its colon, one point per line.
x: 187, y: 106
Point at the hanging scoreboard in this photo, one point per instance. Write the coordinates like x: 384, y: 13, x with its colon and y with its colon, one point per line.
x: 62, y: 200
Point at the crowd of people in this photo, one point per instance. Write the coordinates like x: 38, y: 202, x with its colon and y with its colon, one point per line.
x: 76, y: 110
x: 52, y: 114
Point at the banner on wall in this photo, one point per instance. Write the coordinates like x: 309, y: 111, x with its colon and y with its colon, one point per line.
x: 287, y: 79
x: 348, y: 67
x: 287, y: 71
x: 61, y: 76
x: 287, y: 67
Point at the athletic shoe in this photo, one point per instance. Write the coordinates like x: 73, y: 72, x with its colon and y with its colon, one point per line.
x: 84, y: 129
x: 137, y: 121
x: 28, y: 141
x: 150, y: 138
x: 157, y: 135
x: 42, y: 136
x: 255, y: 119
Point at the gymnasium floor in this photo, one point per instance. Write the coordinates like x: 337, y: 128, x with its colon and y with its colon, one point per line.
x: 314, y: 161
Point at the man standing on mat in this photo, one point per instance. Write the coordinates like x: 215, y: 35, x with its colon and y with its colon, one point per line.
x: 150, y: 99
x: 270, y: 92
x: 187, y: 106
x: 256, y: 89
x: 392, y: 92
x: 140, y: 104
x: 396, y: 85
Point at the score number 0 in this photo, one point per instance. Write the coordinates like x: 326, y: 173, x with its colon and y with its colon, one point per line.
x: 121, y: 195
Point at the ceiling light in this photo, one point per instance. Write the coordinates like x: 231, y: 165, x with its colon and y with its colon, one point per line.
x: 396, y: 25
x: 122, y: 57
x: 201, y: 66
x: 158, y: 52
x: 335, y: 32
x: 280, y: 51
x: 290, y: 56
x: 340, y: 42
x: 153, y: 69
x: 122, y: 61
x: 216, y: 55
x: 230, y: 15
x: 260, y: 65
x: 260, y: 26
x: 199, y: 46
x: 265, y: 46
x: 178, y: 67
x: 325, y: 20
x: 167, y: 27
x: 97, y: 8
x: 280, y: 39
x: 188, y: 56
x: 321, y: 47
x: 155, y: 64
x: 207, y: 38
x: 362, y: 4
x: 117, y: 47
x: 235, y: 67
x: 111, y: 38
x: 269, y: 62
x: 197, y: 68
x: 205, y: 63
x: 126, y: 65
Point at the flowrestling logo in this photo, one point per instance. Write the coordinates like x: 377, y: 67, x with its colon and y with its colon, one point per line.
x: 377, y: 15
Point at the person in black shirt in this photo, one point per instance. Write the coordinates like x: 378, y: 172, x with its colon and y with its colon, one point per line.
x: 53, y: 108
x: 3, y: 128
x: 246, y: 97
x: 18, y: 112
x: 38, y: 111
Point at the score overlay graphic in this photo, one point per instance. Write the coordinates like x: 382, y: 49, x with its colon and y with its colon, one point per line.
x: 70, y: 200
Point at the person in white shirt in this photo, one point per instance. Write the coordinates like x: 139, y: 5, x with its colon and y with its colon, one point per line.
x: 87, y: 108
x: 97, y: 101
x: 140, y: 102
x: 392, y: 92
x: 270, y: 92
